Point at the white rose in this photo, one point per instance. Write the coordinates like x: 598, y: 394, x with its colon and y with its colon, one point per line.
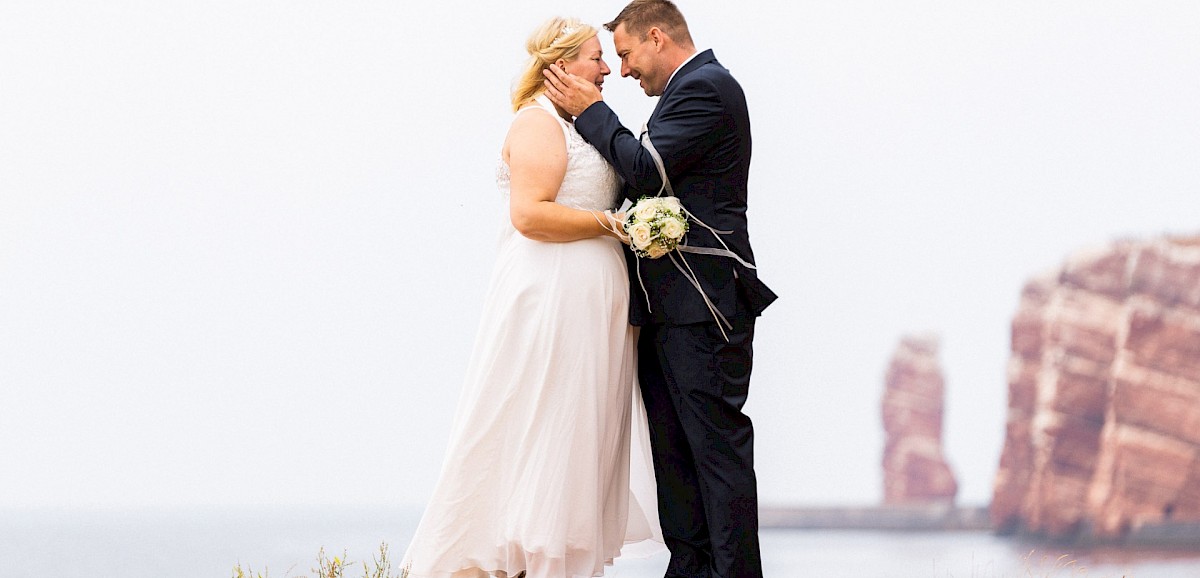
x: 672, y: 229
x: 672, y: 204
x: 640, y: 235
x: 646, y: 210
x: 656, y: 250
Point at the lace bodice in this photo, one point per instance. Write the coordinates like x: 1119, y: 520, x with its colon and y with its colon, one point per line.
x: 590, y: 182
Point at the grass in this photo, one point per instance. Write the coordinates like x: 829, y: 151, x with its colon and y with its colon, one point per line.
x: 335, y: 567
x: 1046, y: 566
x: 1043, y: 566
x: 1062, y: 563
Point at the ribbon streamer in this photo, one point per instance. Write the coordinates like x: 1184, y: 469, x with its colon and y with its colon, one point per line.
x: 681, y: 263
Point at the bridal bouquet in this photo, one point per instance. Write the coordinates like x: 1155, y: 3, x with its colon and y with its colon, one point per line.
x: 655, y: 226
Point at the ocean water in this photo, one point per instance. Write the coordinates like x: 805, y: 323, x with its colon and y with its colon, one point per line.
x: 207, y: 543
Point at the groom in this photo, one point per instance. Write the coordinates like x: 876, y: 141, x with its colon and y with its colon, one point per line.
x: 694, y: 374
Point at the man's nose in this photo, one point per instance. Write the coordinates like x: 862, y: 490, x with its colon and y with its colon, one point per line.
x: 624, y: 71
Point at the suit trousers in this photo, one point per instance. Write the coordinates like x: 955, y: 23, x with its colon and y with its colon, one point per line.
x: 694, y: 384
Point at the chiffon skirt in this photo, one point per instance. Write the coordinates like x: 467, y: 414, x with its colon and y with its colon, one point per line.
x: 548, y: 466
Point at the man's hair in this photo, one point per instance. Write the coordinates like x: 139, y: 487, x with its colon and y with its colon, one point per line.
x: 640, y: 16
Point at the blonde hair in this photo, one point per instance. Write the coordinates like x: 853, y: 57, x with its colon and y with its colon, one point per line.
x: 554, y: 39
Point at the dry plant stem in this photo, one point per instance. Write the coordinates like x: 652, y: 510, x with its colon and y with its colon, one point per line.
x: 1062, y: 562
x: 335, y: 567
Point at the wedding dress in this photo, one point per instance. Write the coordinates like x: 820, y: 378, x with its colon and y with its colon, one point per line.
x: 538, y: 474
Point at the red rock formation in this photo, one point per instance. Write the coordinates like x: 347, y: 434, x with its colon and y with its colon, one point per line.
x: 1103, y: 431
x: 914, y: 470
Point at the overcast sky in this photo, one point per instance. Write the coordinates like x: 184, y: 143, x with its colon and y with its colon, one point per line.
x: 243, y: 245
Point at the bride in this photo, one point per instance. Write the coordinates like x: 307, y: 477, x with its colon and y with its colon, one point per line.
x: 537, y: 480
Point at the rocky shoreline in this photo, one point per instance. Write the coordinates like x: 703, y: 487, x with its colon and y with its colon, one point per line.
x: 905, y: 518
x: 946, y: 518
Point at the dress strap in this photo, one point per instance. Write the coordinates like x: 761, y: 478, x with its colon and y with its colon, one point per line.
x: 527, y: 109
x: 549, y: 106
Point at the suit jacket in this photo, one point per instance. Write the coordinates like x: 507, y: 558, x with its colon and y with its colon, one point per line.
x: 701, y: 128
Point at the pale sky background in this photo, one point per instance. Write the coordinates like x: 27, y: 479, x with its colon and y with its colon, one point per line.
x: 243, y: 245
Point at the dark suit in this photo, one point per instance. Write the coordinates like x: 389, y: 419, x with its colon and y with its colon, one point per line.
x: 695, y: 381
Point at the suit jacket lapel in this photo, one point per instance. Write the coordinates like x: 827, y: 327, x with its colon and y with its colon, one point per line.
x: 700, y: 60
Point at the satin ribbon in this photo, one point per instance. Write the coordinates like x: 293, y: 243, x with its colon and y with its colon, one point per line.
x: 681, y: 263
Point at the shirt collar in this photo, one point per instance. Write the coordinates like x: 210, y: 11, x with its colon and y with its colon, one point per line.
x: 681, y: 65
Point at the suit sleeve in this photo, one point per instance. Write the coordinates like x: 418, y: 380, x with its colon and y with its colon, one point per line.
x: 684, y: 129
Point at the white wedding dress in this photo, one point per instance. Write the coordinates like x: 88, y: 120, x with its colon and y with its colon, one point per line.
x: 538, y: 473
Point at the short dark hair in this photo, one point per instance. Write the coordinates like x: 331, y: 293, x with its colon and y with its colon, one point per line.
x: 640, y: 16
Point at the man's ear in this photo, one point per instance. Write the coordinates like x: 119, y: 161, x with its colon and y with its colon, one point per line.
x: 656, y: 35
